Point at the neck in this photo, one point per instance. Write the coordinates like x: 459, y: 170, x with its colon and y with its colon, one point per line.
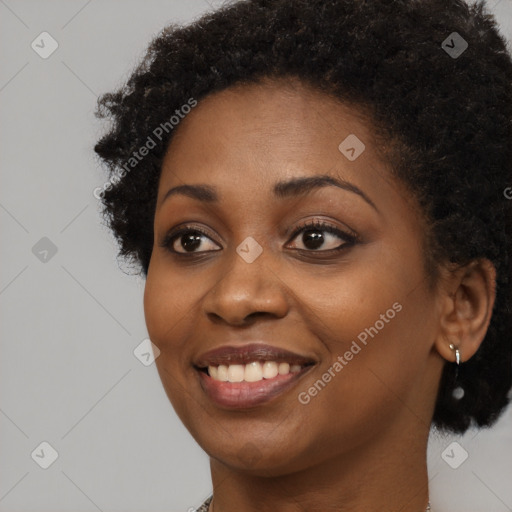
x: 388, y: 474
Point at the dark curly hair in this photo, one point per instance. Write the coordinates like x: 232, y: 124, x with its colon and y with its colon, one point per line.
x: 444, y: 122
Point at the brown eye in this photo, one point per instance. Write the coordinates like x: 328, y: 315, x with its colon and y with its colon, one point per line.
x: 320, y: 236
x: 190, y: 241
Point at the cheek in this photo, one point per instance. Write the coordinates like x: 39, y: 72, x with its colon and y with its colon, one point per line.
x: 168, y: 303
x: 340, y: 303
x: 381, y: 327
x: 169, y: 314
x: 372, y: 385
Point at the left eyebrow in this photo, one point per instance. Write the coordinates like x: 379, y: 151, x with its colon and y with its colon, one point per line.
x: 282, y: 189
x: 303, y: 186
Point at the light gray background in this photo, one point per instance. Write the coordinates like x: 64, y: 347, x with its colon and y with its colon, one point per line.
x: 69, y: 325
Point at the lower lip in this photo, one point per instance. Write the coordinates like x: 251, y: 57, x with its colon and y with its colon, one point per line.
x: 239, y: 395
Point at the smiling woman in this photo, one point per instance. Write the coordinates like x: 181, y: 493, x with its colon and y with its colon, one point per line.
x: 345, y: 159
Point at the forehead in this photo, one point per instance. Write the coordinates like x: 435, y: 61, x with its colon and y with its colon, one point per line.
x: 276, y: 127
x: 274, y: 110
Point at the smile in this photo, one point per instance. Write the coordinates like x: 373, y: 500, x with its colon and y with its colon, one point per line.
x: 247, y: 376
x: 252, y: 372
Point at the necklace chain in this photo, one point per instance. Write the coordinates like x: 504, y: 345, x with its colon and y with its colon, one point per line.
x: 211, y: 509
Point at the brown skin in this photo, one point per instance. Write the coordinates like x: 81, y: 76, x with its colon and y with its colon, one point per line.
x: 360, y: 444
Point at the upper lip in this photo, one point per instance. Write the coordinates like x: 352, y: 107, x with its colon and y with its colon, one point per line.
x: 244, y: 354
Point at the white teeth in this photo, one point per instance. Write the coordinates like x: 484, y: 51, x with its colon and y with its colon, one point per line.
x: 236, y: 372
x: 213, y: 371
x: 284, y: 368
x: 222, y: 373
x: 270, y: 369
x: 251, y: 372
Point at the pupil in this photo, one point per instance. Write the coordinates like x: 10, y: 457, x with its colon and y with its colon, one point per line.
x: 315, y: 239
x: 190, y: 242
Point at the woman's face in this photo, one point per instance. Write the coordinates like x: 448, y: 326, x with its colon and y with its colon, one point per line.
x: 325, y: 282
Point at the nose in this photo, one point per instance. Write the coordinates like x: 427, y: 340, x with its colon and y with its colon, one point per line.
x: 244, y: 291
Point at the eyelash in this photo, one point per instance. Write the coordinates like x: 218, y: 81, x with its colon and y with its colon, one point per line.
x: 316, y: 225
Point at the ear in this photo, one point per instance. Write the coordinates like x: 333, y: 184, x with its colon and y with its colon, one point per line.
x: 467, y: 301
